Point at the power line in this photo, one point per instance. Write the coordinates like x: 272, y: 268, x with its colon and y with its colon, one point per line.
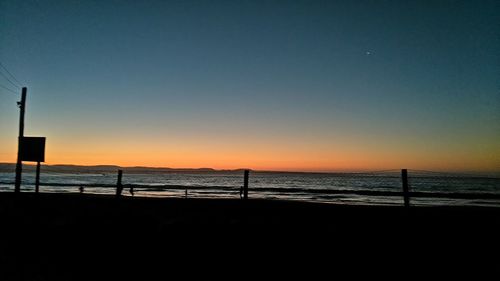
x: 10, y: 90
x: 5, y: 76
x: 11, y: 75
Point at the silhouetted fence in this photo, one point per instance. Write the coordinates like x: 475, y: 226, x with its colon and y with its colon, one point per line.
x: 409, y: 186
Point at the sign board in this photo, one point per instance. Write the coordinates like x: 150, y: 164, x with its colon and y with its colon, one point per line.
x: 32, y: 149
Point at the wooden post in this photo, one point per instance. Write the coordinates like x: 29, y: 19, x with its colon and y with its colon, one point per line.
x: 19, y: 164
x: 37, y: 180
x: 245, y: 185
x: 406, y: 192
x: 119, y: 186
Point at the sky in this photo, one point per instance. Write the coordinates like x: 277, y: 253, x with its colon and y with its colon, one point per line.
x: 266, y: 85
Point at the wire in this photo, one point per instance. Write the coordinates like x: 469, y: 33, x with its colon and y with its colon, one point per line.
x: 5, y: 76
x: 10, y: 90
x: 11, y: 75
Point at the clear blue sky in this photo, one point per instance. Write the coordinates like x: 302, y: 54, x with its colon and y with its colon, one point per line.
x: 372, y: 83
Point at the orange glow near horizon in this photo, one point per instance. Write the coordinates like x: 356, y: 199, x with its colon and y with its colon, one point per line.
x: 259, y: 155
x: 223, y: 146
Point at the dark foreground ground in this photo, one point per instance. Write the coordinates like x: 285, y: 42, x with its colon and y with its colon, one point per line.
x: 90, y: 237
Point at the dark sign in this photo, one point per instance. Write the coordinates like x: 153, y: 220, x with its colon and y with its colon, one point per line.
x: 32, y: 149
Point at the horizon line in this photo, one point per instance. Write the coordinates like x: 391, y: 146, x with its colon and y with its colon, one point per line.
x: 271, y: 171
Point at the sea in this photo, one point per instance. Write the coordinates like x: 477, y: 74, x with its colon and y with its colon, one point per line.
x: 367, y: 188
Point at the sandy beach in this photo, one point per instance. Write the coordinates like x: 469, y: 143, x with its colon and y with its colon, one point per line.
x: 73, y: 236
x: 85, y: 212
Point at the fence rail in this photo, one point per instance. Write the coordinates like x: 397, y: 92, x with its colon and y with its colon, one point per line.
x: 388, y: 179
x: 415, y: 194
x: 406, y: 193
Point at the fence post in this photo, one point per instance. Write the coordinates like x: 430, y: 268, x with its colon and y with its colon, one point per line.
x: 119, y: 186
x: 245, y: 185
x: 406, y: 192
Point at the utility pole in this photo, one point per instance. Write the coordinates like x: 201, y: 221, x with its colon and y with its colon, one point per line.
x: 19, y: 165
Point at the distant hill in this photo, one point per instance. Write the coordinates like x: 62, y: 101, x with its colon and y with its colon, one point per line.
x: 11, y: 167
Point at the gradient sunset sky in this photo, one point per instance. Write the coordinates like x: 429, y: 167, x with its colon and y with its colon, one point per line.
x: 268, y: 85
